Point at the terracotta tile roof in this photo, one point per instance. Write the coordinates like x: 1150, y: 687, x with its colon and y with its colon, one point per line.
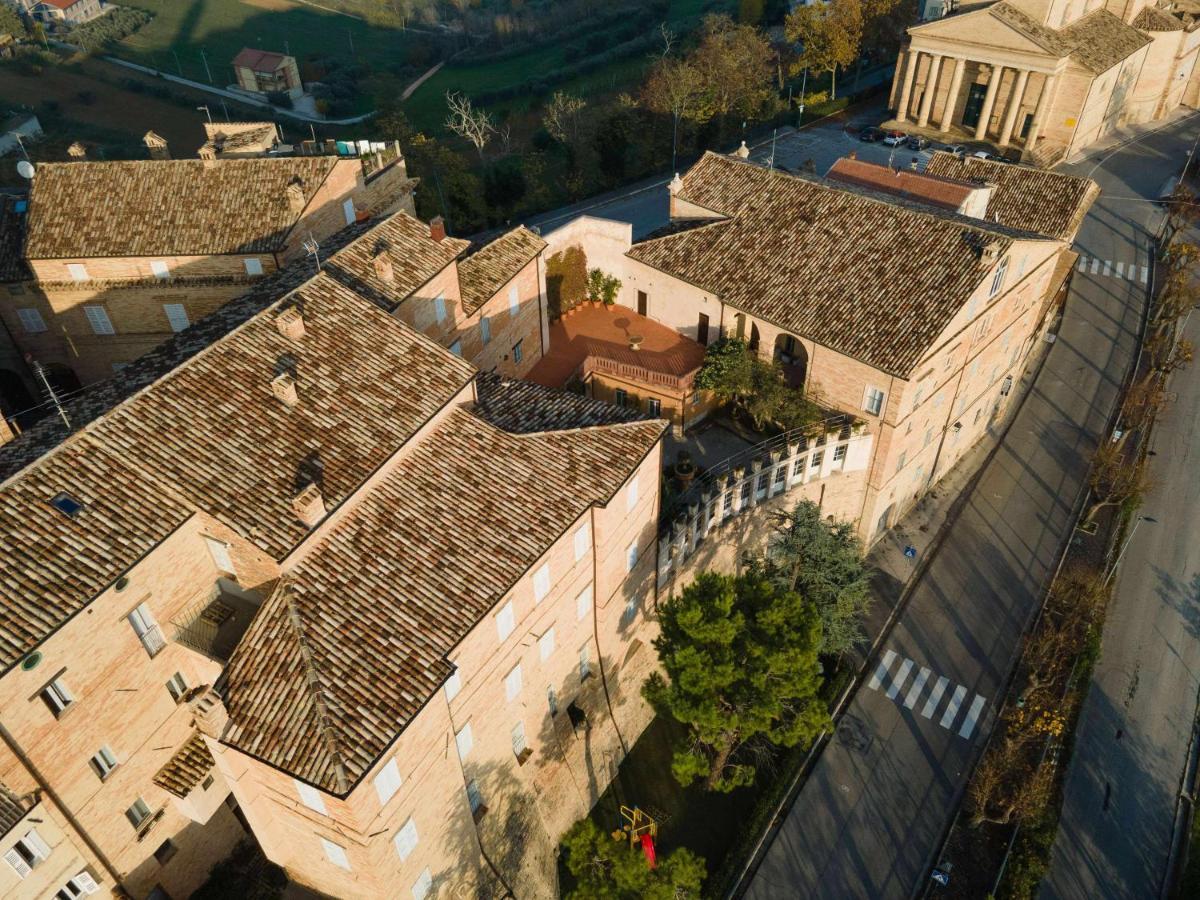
x: 211, y: 435
x: 948, y: 193
x: 490, y: 267
x: 13, y: 808
x: 342, y: 655
x: 1050, y: 203
x: 873, y: 276
x: 404, y: 241
x: 1100, y: 40
x: 165, y: 207
x: 523, y: 407
x: 187, y: 768
x: 229, y: 137
x: 258, y: 60
x: 1151, y: 18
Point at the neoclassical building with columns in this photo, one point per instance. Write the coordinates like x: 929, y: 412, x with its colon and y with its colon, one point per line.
x: 1045, y: 77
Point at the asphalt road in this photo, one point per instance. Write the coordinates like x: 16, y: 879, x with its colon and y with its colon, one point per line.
x: 874, y: 808
x: 1136, y: 723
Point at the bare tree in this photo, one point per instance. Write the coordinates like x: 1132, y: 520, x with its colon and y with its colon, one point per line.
x: 562, y: 117
x: 1114, y: 479
x: 467, y: 122
x: 678, y: 89
x: 505, y: 133
x: 668, y: 39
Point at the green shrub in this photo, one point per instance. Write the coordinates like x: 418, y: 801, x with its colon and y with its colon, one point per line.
x: 117, y: 23
x: 566, y: 280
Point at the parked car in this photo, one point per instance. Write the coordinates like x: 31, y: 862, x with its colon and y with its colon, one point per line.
x: 957, y: 150
x: 895, y: 138
x: 871, y: 135
x: 916, y: 142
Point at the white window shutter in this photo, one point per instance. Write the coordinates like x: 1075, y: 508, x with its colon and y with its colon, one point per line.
x: 31, y: 320
x: 348, y: 212
x: 177, y: 316
x: 504, y: 621
x: 464, y: 742
x: 160, y: 268
x: 514, y: 300
x: 219, y: 551
x: 546, y: 645
x: 583, y: 538
x: 387, y: 782
x: 86, y: 883
x: 406, y: 840
x: 583, y: 603
x: 35, y: 842
x: 541, y: 583
x: 97, y: 317
x: 631, y: 496
x: 13, y: 858
x: 310, y: 797
x: 78, y: 271
x: 512, y: 684
x: 453, y: 685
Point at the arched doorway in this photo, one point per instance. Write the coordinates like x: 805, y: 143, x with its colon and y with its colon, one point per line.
x: 63, y: 380
x: 754, y: 340
x: 14, y: 395
x: 793, y: 358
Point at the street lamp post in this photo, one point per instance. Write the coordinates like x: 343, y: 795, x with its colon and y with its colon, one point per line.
x: 1125, y: 546
x: 207, y: 112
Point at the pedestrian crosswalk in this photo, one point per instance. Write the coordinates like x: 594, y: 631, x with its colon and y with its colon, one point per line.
x: 1106, y: 268
x: 894, y: 681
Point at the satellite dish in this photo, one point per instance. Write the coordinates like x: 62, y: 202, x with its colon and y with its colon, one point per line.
x: 25, y: 169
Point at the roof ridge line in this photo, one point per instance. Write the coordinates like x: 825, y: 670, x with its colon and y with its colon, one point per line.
x: 316, y: 693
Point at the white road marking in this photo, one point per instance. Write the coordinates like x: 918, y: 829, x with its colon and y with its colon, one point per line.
x: 952, y: 708
x: 881, y: 672
x: 1107, y: 267
x: 1120, y: 270
x: 898, y: 681
x: 936, y: 697
x: 1145, y: 274
x: 968, y: 724
x: 915, y: 691
x: 1095, y: 266
x: 1083, y: 261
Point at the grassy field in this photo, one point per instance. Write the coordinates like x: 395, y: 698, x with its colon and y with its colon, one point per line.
x: 220, y: 28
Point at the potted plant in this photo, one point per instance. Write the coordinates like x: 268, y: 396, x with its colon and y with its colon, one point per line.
x: 685, y: 469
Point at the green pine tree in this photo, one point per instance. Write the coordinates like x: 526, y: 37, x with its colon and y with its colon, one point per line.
x: 741, y: 658
x: 607, y: 869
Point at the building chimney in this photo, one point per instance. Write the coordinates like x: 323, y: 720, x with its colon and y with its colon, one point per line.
x: 157, y: 145
x: 989, y: 255
x: 77, y: 151
x: 437, y: 228
x: 290, y: 323
x: 382, y: 264
x: 295, y: 195
x: 283, y: 386
x: 742, y: 152
x: 309, y: 505
x: 208, y: 711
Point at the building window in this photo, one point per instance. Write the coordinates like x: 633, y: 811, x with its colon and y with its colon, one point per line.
x: 780, y: 476
x: 177, y: 316
x: 518, y: 739
x: 422, y: 886
x: 146, y: 629
x: 585, y: 662
x: 336, y: 854
x: 138, y: 814
x: 406, y: 840
x: 517, y: 353
x: 583, y: 539
x: 818, y: 457
x: 485, y: 330
x: 27, y: 853
x: 541, y: 583
x: 31, y: 320
x: 387, y: 782
x: 873, y: 401
x: 653, y: 406
x: 620, y: 397
x: 97, y: 317
x: 901, y: 460
x: 798, y: 468
x: 57, y: 696
x: 514, y: 300
x: 546, y: 645
x: 349, y: 213
x: 456, y: 349
x: 439, y: 307
x: 177, y: 687
x: 727, y: 505
x: 839, y: 452
x: 504, y: 621
x: 253, y: 266
x: 552, y: 700
x: 583, y: 603
x: 998, y: 278
x: 160, y: 269
x: 165, y: 851
x: 928, y: 437
x: 76, y: 887
x: 512, y: 684
x: 474, y: 797
x: 631, y: 495
x: 453, y: 686
x: 77, y: 271
x: 310, y: 797
x: 219, y: 551
x: 464, y: 742
x: 103, y: 762
x: 631, y: 608
x: 631, y: 557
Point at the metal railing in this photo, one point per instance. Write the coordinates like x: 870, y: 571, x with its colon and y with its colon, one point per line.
x: 681, y: 384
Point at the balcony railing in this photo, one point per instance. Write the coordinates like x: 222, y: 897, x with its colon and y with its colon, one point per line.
x: 680, y: 385
x: 214, y: 624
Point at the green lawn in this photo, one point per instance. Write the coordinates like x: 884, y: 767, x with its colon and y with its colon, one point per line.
x: 221, y: 28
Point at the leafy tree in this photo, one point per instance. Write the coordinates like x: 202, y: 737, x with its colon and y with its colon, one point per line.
x: 741, y: 656
x: 885, y: 23
x: 602, y: 287
x: 831, y: 34
x: 823, y: 561
x: 736, y: 374
x: 1115, y: 479
x: 504, y: 183
x: 728, y: 370
x: 737, y: 62
x: 566, y: 280
x: 11, y: 22
x: 607, y: 869
x: 677, y: 88
x: 451, y: 189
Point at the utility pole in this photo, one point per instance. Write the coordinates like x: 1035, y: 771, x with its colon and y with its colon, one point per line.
x: 226, y: 110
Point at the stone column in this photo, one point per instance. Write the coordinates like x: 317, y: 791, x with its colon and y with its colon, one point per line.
x: 960, y: 66
x: 935, y: 63
x: 989, y: 101
x: 1014, y: 107
x: 912, y: 60
x: 1043, y: 107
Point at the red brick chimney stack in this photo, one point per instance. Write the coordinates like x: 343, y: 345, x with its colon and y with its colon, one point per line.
x: 437, y: 228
